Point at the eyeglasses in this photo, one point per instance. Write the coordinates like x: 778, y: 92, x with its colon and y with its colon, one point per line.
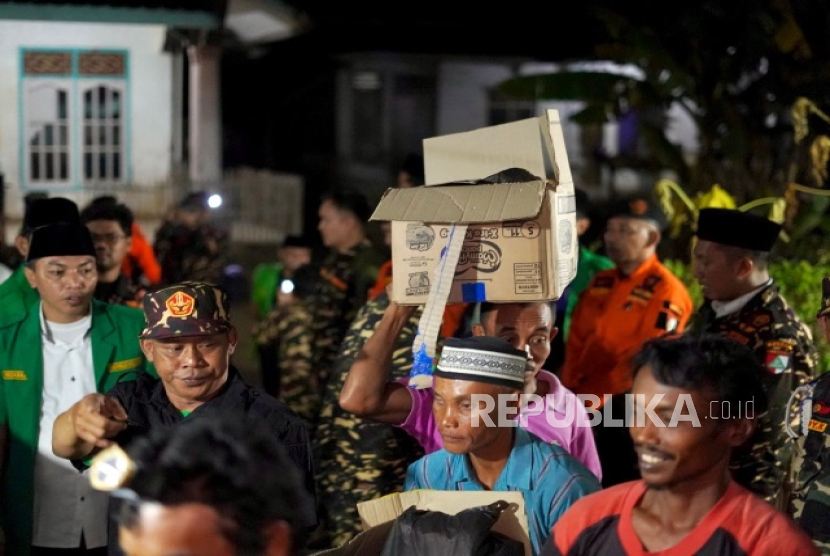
x: 107, y: 238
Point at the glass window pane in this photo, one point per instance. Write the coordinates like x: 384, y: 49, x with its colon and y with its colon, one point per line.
x: 88, y: 105
x: 116, y: 166
x: 50, y: 166
x: 116, y: 135
x: 88, y: 166
x: 102, y: 135
x: 63, y: 140
x: 62, y: 111
x: 116, y: 105
x: 64, y: 165
x: 102, y: 166
x: 35, y: 141
x: 34, y: 166
x: 48, y: 135
x: 88, y: 135
x: 102, y: 103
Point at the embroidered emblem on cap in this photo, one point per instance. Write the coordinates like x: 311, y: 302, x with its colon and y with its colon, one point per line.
x: 180, y: 304
x: 638, y: 207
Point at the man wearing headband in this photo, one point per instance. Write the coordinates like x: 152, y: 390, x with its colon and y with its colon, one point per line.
x: 742, y: 302
x: 189, y: 338
x: 71, y: 346
x: 482, y: 451
x: 528, y: 327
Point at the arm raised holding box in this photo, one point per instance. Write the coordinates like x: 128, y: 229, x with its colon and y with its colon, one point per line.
x: 367, y: 391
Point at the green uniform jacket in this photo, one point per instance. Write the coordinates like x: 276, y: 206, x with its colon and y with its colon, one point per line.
x: 115, y: 350
x: 16, y: 296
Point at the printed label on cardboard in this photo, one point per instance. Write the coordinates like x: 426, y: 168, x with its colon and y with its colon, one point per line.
x: 483, y: 256
x: 418, y: 283
x: 523, y: 229
x: 528, y: 278
x: 419, y: 237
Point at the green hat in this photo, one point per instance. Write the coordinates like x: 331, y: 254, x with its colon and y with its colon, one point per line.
x: 186, y: 309
x: 825, y: 297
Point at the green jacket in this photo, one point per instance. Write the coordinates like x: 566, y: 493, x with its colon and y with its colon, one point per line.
x: 265, y: 280
x: 16, y: 296
x: 115, y: 350
x: 588, y: 265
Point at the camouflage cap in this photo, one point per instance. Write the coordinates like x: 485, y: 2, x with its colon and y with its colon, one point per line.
x: 825, y: 298
x: 186, y: 309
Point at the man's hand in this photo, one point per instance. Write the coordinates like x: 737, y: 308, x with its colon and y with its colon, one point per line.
x: 97, y: 418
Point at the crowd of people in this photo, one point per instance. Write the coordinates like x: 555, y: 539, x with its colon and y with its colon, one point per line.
x: 631, y: 421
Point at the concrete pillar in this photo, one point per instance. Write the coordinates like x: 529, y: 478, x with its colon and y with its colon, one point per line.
x: 205, y: 114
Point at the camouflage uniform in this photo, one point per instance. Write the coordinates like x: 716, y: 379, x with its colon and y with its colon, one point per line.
x: 810, y: 501
x: 345, y: 279
x: 121, y: 292
x: 186, y: 254
x: 289, y: 328
x: 783, y: 344
x: 358, y: 459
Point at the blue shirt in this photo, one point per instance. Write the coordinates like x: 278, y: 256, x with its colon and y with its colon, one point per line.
x: 549, y: 478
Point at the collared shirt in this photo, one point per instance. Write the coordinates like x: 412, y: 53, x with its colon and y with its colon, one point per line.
x: 614, y: 317
x: 65, y: 505
x: 723, y: 308
x: 548, y: 477
x: 560, y: 418
x: 148, y: 407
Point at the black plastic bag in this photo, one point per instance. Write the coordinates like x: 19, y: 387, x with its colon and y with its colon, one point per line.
x: 432, y: 533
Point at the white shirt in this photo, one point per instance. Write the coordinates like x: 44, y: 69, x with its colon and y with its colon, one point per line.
x: 723, y: 308
x: 65, y: 505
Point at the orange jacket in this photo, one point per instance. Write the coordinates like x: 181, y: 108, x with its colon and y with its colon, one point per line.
x: 615, y: 315
x: 142, y: 255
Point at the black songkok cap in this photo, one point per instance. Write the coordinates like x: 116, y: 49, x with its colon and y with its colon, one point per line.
x: 639, y: 207
x: 42, y: 212
x: 737, y: 229
x: 60, y: 240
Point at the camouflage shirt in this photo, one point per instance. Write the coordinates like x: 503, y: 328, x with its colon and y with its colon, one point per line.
x: 188, y: 254
x: 121, y: 292
x: 358, y: 459
x: 810, y: 502
x: 783, y: 344
x: 345, y: 279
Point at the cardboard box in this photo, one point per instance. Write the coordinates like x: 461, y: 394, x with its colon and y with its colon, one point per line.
x: 521, y: 241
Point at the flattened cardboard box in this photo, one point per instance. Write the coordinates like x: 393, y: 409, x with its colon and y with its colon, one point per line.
x: 521, y: 242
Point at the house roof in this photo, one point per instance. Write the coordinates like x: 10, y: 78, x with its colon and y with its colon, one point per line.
x: 195, y: 14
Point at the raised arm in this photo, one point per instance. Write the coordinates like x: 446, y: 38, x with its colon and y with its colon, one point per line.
x: 87, y: 425
x: 367, y: 392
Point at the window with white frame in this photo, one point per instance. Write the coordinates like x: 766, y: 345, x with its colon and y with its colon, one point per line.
x: 73, y: 117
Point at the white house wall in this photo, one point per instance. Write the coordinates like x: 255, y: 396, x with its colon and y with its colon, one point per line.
x: 149, y: 82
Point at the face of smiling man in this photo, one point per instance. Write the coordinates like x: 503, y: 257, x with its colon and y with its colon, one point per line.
x: 683, y: 456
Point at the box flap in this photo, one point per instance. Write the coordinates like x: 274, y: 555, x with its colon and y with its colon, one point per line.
x: 462, y: 203
x: 512, y: 523
x: 483, y: 152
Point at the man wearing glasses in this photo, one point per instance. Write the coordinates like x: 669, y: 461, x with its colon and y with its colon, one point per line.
x: 111, y: 227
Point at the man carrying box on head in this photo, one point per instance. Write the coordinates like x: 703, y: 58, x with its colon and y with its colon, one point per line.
x: 483, y: 449
x: 558, y: 417
x: 70, y: 346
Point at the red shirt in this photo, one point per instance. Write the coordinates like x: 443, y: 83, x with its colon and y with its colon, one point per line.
x: 740, y: 523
